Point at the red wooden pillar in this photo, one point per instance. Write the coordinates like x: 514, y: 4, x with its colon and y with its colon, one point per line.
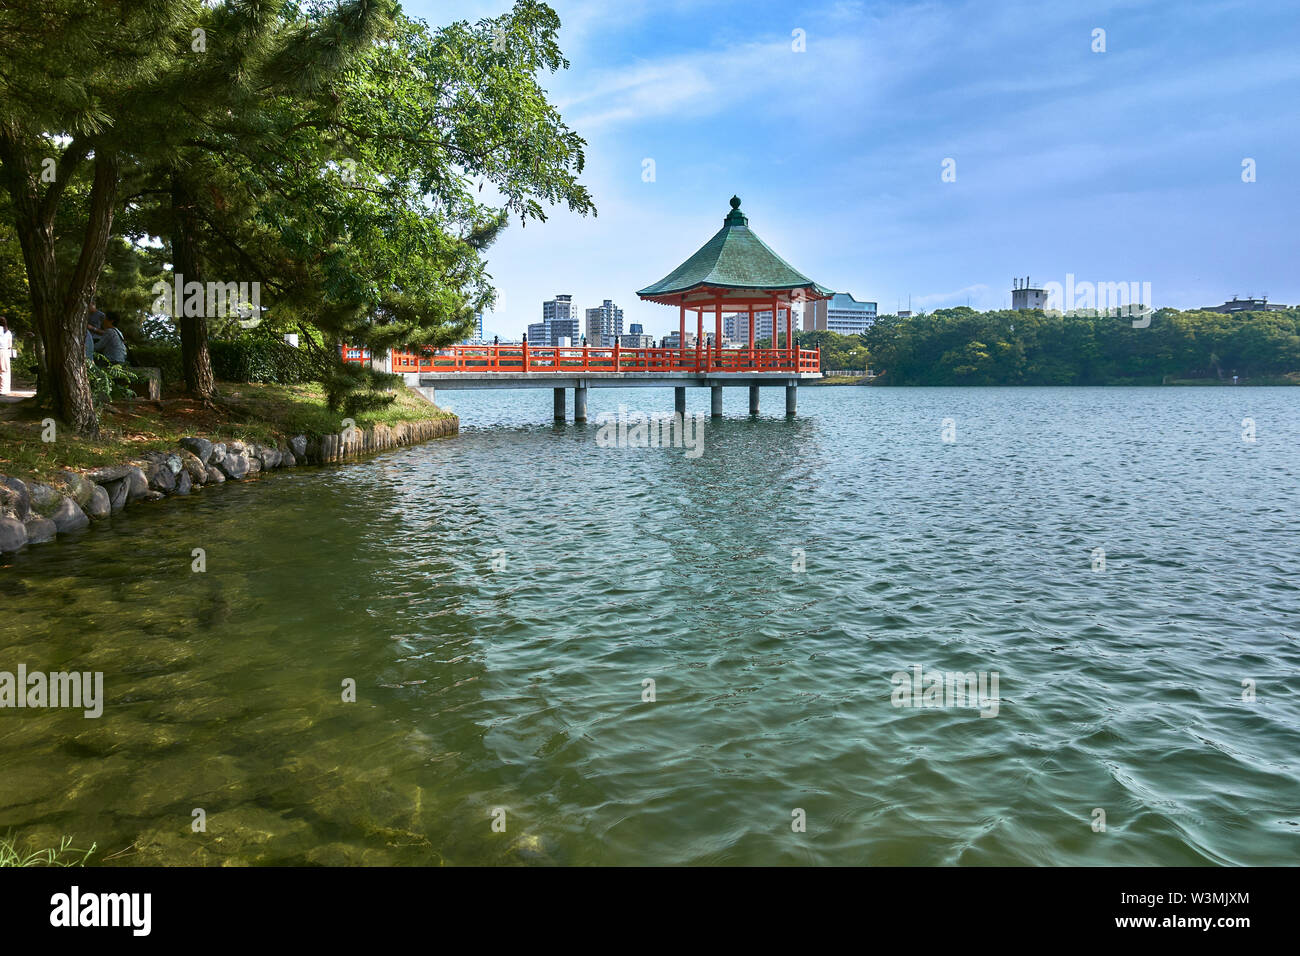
x: 699, y: 338
x: 681, y: 335
x: 717, y: 333
x: 751, y: 334
x: 776, y: 311
x: 789, y: 335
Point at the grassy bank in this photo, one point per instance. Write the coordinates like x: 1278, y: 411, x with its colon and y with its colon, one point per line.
x: 251, y: 412
x: 841, y: 380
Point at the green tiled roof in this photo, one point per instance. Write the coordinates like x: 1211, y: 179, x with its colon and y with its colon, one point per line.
x: 735, y: 258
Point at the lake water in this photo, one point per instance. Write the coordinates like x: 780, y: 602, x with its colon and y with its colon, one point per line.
x: 501, y: 598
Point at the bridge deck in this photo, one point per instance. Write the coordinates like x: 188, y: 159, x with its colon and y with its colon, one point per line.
x: 568, y: 379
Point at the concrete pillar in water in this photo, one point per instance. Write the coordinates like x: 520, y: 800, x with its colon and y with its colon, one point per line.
x: 753, y: 399
x: 791, y: 398
x: 679, y: 399
x: 580, y: 403
x: 715, y: 399
x: 559, y: 404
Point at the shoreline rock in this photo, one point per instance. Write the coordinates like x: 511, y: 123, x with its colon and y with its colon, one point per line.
x: 36, y: 513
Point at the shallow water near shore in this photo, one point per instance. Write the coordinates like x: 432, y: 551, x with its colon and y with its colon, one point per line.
x: 500, y: 597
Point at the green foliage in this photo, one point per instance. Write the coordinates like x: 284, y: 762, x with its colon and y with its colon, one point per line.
x: 15, y: 300
x: 251, y: 359
x: 964, y: 347
x: 332, y: 152
x: 246, y: 359
x: 158, y: 330
x: 354, y: 388
x: 109, y: 382
x: 840, y: 352
x: 65, y: 855
x: 162, y: 356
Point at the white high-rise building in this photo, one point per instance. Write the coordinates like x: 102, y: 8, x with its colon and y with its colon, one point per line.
x: 842, y: 313
x: 476, y: 337
x: 604, y: 325
x: 735, y: 327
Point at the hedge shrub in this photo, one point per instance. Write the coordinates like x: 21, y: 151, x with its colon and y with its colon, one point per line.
x: 265, y: 360
x: 243, y: 360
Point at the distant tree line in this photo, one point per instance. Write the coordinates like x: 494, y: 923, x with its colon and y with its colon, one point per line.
x: 964, y: 347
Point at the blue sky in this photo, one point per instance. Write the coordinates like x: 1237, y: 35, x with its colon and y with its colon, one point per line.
x: 1121, y: 166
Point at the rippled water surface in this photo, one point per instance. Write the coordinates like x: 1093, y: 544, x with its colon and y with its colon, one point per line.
x: 521, y: 688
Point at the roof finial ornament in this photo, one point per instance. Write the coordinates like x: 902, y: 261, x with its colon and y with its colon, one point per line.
x: 735, y: 202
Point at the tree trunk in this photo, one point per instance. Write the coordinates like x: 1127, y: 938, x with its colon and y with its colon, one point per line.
x: 59, y: 308
x: 187, y: 262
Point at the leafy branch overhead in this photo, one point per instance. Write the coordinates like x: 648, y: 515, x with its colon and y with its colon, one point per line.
x: 354, y: 162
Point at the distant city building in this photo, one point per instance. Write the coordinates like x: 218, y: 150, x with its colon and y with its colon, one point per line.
x: 636, y: 341
x: 604, y: 325
x: 735, y: 327
x: 1246, y: 305
x: 670, y: 340
x: 558, y: 322
x: 635, y: 329
x: 476, y: 337
x: 842, y: 313
x: 1023, y: 296
x: 904, y: 313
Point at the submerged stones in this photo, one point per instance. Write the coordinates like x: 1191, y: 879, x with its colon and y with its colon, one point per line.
x: 33, y: 512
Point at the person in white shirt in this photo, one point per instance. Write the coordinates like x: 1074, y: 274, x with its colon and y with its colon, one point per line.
x: 6, y: 350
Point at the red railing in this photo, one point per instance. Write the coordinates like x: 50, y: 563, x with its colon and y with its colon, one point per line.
x: 548, y: 358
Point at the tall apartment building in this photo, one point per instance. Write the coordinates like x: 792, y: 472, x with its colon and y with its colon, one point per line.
x: 604, y: 325
x: 736, y: 327
x: 558, y: 322
x: 842, y: 313
x: 476, y: 337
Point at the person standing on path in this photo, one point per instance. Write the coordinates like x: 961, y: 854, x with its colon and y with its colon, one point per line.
x: 6, y: 355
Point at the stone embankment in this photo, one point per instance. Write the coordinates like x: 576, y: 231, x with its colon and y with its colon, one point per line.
x: 33, y: 513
